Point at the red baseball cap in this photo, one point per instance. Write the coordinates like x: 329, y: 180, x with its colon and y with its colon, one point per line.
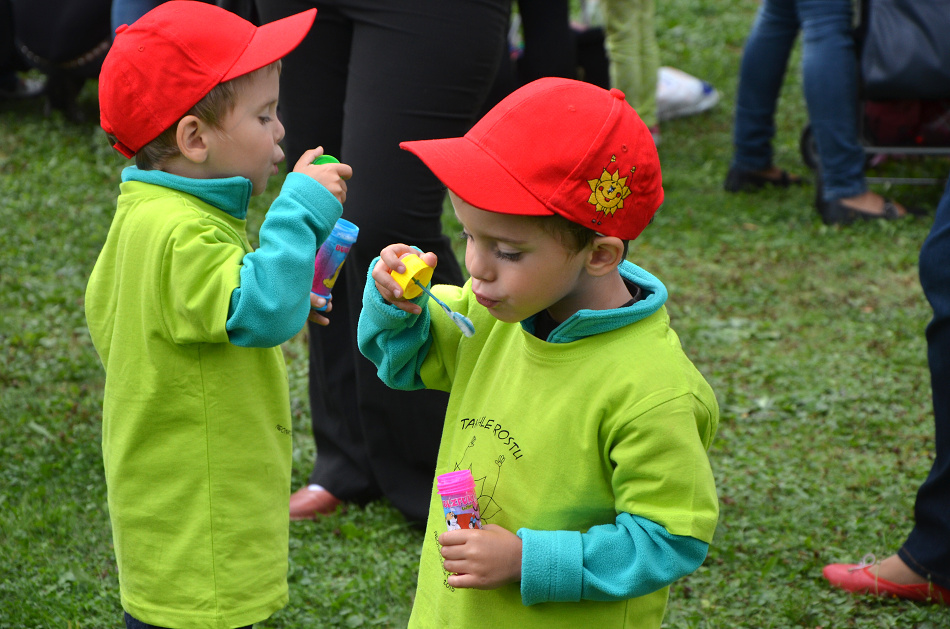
x: 555, y: 146
x: 169, y: 59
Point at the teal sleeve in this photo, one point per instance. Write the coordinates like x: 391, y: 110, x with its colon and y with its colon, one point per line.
x: 272, y: 303
x: 609, y: 562
x: 394, y: 340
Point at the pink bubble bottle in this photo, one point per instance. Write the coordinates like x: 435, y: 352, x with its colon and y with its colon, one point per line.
x: 459, y: 503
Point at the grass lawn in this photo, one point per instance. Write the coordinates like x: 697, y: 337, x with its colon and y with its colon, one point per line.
x: 812, y: 337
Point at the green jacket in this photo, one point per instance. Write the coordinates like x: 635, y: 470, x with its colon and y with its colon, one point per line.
x: 196, y: 435
x: 591, y: 445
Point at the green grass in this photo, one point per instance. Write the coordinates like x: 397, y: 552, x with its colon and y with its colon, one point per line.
x: 812, y: 337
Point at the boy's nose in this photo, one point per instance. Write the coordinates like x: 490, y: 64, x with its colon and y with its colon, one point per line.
x: 477, y: 266
x: 280, y: 131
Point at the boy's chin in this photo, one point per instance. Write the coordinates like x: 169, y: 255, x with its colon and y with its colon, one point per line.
x: 505, y: 318
x: 258, y: 189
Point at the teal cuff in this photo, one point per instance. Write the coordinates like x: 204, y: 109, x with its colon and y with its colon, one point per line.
x: 396, y: 341
x: 551, y: 566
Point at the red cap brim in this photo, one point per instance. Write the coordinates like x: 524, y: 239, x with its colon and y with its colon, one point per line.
x: 272, y: 41
x: 476, y: 177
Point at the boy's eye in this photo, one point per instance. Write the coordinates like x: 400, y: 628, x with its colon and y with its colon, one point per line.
x: 512, y: 256
x: 508, y: 256
x: 265, y: 119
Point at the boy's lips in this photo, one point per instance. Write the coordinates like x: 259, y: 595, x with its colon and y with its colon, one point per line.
x: 484, y: 301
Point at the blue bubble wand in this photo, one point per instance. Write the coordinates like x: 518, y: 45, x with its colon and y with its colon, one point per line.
x: 464, y: 323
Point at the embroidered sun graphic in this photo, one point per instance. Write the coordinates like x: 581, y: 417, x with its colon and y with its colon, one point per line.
x: 609, y: 191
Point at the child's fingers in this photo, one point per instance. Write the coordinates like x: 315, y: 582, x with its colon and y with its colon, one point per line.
x: 390, y: 260
x: 460, y: 580
x: 452, y: 553
x: 318, y: 318
x: 392, y: 256
x: 397, y: 300
x: 345, y: 171
x: 308, y: 157
x: 389, y: 290
x: 453, y: 538
x: 385, y: 283
x: 316, y: 301
x: 430, y: 258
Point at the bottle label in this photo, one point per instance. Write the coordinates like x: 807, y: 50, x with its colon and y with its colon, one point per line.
x: 461, y: 511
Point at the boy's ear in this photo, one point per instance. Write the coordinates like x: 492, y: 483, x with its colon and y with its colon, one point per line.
x: 606, y: 254
x: 192, y: 141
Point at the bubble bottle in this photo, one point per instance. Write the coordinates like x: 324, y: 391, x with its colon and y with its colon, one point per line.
x: 459, y: 503
x: 330, y: 257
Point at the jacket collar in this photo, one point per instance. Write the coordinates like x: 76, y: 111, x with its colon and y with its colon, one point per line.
x: 584, y: 323
x: 229, y: 194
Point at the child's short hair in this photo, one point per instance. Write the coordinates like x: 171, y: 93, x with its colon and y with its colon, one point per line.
x: 172, y: 57
x: 212, y: 109
x: 555, y: 147
x: 574, y: 237
x: 571, y: 235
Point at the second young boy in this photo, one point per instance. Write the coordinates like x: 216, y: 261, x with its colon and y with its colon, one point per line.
x: 574, y: 406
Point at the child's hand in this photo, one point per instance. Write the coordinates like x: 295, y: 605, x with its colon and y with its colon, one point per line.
x: 483, y: 559
x: 318, y: 302
x: 387, y: 286
x: 331, y: 176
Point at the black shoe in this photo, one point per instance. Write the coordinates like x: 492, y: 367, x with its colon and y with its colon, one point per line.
x: 747, y: 180
x: 837, y: 213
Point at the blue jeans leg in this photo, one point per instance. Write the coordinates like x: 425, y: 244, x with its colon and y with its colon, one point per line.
x: 829, y: 74
x: 927, y: 549
x: 761, y: 73
x: 830, y: 82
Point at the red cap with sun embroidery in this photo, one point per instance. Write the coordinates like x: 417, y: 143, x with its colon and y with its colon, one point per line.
x: 555, y: 146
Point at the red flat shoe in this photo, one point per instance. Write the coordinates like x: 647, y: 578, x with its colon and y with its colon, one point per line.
x: 859, y: 579
x: 308, y: 502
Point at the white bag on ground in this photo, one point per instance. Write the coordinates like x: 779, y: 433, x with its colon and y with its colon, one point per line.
x: 681, y: 94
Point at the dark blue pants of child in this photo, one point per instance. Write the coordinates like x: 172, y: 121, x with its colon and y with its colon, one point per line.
x: 927, y: 549
x: 132, y: 623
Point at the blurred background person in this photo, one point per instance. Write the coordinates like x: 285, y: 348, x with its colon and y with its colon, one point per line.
x: 368, y: 76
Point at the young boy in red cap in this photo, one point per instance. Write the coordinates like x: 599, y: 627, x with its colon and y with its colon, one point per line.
x: 188, y: 318
x: 583, y: 422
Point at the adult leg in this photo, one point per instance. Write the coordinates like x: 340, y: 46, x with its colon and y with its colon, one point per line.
x: 921, y: 568
x: 313, y: 90
x: 927, y: 549
x: 411, y: 71
x: 434, y: 87
x: 549, y: 44
x: 550, y: 47
x: 634, y: 53
x: 830, y: 82
x: 761, y: 73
